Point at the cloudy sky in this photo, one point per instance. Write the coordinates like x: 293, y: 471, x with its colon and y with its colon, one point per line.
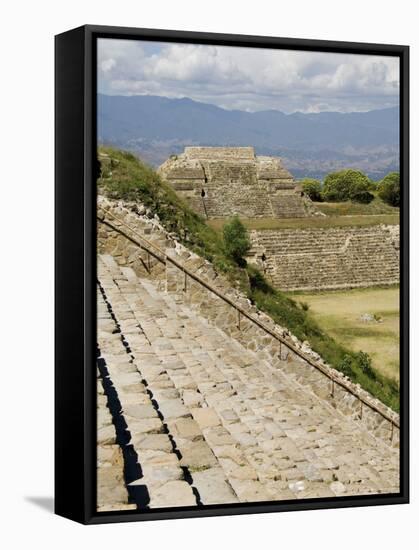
x: 250, y: 79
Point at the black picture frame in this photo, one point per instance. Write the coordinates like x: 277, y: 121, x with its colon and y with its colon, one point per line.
x: 75, y: 272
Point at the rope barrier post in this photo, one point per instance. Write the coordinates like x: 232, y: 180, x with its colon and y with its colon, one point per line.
x: 332, y: 391
x: 238, y: 319
x: 392, y: 432
x: 360, y: 411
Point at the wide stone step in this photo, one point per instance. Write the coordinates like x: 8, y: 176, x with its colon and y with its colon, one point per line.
x: 235, y: 419
x: 111, y: 490
x: 169, y: 442
x: 328, y: 258
x: 160, y: 477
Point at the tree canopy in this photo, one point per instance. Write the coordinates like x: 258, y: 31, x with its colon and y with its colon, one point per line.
x: 347, y: 185
x: 312, y: 188
x: 389, y: 189
x: 236, y: 240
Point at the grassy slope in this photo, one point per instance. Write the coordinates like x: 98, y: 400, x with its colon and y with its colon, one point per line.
x: 348, y: 208
x: 126, y: 178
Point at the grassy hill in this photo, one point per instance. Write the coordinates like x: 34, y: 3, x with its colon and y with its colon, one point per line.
x: 124, y: 177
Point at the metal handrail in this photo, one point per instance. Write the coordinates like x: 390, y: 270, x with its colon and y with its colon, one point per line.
x: 162, y: 257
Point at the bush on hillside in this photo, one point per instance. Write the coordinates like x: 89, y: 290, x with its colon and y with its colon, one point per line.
x: 389, y: 189
x: 313, y: 189
x: 257, y: 280
x: 345, y: 366
x: 347, y: 185
x: 236, y: 240
x: 364, y: 361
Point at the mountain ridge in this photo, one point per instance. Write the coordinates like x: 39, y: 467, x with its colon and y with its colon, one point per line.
x: 156, y: 126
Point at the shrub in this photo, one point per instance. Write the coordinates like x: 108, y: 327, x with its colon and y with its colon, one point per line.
x: 389, y: 189
x: 347, y: 185
x: 362, y: 196
x: 345, y: 366
x: 236, y: 240
x: 257, y: 281
x: 313, y: 189
x: 364, y: 362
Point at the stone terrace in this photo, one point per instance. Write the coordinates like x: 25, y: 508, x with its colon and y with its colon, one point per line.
x: 314, y: 259
x: 235, y: 181
x: 210, y: 421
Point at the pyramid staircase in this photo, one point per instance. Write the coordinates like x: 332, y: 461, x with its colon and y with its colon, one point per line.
x: 201, y: 419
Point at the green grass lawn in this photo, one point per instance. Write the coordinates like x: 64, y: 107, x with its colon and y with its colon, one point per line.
x: 339, y: 312
x: 348, y: 208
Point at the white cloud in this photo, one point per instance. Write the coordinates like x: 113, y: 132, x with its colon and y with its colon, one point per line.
x: 107, y: 64
x: 249, y: 78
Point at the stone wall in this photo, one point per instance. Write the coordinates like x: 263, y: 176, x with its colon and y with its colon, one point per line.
x: 222, y: 181
x: 174, y: 280
x: 328, y: 258
x: 125, y: 252
x: 220, y: 153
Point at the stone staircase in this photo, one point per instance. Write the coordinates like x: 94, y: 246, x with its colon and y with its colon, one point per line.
x: 112, y: 493
x: 329, y: 258
x: 246, y: 200
x: 210, y: 422
x: 289, y: 205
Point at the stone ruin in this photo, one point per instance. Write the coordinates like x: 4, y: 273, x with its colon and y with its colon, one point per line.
x: 211, y: 409
x: 218, y: 182
x: 328, y: 258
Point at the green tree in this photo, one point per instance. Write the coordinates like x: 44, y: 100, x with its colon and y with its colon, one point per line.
x: 347, y: 185
x: 373, y: 185
x: 236, y: 240
x: 389, y: 189
x: 312, y: 188
x: 362, y: 195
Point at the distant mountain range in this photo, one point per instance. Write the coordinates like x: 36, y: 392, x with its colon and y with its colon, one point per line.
x: 311, y: 144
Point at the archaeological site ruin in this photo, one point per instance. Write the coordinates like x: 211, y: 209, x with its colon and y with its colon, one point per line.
x: 328, y: 258
x: 218, y: 182
x: 203, y: 399
x: 231, y: 275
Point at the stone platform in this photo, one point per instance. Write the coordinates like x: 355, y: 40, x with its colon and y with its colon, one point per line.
x: 328, y: 258
x: 218, y: 182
